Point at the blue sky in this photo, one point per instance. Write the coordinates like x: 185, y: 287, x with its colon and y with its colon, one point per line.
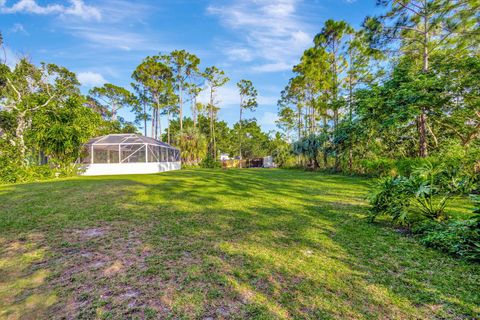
x: 104, y: 40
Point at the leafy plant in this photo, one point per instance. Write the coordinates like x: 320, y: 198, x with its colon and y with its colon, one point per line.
x: 427, y: 190
x: 430, y: 195
x: 210, y: 162
x: 457, y: 237
x: 389, y: 198
x: 310, y: 147
x: 476, y: 203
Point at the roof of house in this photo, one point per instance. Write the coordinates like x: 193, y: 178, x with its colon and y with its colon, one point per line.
x: 127, y: 139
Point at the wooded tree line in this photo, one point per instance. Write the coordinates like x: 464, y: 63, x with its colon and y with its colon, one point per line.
x: 404, y: 85
x: 44, y: 115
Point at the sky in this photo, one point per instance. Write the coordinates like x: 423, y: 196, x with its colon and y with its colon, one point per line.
x: 104, y: 40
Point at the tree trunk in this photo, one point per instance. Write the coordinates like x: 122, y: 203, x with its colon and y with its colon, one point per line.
x: 145, y: 119
x: 181, y: 109
x: 168, y: 128
x: 156, y: 123
x: 160, y: 127
x: 325, y: 155
x: 153, y: 123
x: 422, y: 118
x: 422, y: 124
x: 194, y: 112
x: 337, y: 152
x: 114, y: 111
x: 350, y: 113
x: 316, y: 165
x: 19, y: 132
x: 240, y: 130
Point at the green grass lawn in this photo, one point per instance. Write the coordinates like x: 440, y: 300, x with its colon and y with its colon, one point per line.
x: 199, y: 244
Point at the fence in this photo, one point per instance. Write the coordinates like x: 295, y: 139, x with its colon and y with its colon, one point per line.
x: 244, y: 163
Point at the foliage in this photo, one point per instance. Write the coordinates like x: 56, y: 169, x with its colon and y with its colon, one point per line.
x: 282, y: 153
x: 310, y: 148
x: 248, y: 101
x: 476, y: 202
x: 427, y: 190
x: 113, y: 98
x: 255, y: 142
x: 210, y: 162
x: 192, y: 145
x: 403, y: 86
x: 60, y: 131
x: 457, y: 237
x: 389, y: 198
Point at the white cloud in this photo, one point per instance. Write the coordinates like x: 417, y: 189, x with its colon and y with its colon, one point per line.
x: 107, y: 37
x: 228, y: 97
x: 268, y: 119
x: 80, y: 9
x: 11, y: 57
x: 270, y: 30
x: 91, y: 79
x: 18, y: 28
x: 76, y: 8
x: 272, y: 67
x: 239, y: 54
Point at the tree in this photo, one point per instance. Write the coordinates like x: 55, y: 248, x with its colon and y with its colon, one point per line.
x: 310, y: 147
x: 360, y: 71
x: 154, y: 79
x: 332, y: 38
x: 423, y: 27
x: 60, y: 130
x: 255, y: 143
x: 184, y: 65
x: 114, y: 98
x: 29, y: 89
x: 196, y: 107
x: 248, y: 101
x: 141, y: 110
x: 193, y: 145
x: 215, y: 78
x: 286, y: 120
x: 3, y: 49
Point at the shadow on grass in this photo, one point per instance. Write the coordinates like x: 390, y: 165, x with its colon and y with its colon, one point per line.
x: 251, y: 244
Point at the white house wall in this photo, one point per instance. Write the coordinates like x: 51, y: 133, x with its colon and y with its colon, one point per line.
x: 100, y: 169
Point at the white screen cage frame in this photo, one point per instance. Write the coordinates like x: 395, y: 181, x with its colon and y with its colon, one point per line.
x: 128, y: 153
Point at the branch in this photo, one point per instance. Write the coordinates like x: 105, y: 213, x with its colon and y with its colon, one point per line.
x: 433, y: 135
x: 407, y: 7
x: 15, y: 89
x: 43, y: 105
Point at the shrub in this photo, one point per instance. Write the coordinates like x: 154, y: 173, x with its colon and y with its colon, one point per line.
x: 310, y: 147
x: 379, y: 167
x: 389, y: 198
x: 283, y: 157
x: 210, y: 162
x: 428, y: 190
x: 457, y: 237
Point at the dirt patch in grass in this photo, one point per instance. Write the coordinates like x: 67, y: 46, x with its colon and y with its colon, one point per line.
x: 99, y: 271
x: 23, y: 278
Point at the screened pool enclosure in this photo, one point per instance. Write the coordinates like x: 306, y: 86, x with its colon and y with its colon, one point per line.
x: 128, y: 154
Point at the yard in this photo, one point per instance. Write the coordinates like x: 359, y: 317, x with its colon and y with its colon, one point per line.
x: 199, y: 244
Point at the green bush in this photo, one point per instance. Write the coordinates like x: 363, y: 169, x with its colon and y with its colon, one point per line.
x: 476, y: 203
x: 210, y: 162
x: 457, y: 237
x: 378, y: 167
x: 389, y: 198
x: 283, y: 157
x: 12, y: 170
x: 428, y: 190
